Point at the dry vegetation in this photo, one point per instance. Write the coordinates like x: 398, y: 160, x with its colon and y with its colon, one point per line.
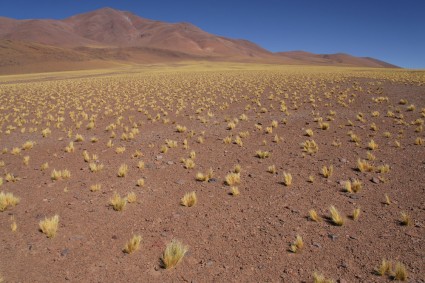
x: 310, y: 144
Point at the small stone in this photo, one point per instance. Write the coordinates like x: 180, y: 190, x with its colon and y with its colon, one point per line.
x: 333, y: 237
x: 212, y: 180
x: 375, y: 180
x: 317, y: 245
x: 158, y: 157
x: 170, y: 162
x: 64, y: 252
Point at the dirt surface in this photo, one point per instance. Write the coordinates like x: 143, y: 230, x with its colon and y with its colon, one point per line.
x: 244, y: 238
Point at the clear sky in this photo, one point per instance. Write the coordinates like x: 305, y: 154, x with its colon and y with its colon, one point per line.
x: 389, y: 30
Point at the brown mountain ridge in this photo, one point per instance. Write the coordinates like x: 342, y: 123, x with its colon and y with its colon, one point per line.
x: 110, y: 36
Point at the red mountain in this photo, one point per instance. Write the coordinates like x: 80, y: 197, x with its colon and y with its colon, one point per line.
x: 111, y: 35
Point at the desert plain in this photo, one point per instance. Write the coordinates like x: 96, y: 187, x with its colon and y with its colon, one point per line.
x: 268, y: 150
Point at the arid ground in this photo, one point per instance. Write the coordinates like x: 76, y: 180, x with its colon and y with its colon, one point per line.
x: 351, y: 138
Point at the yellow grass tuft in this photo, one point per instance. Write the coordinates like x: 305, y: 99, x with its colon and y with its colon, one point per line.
x: 7, y: 200
x: 204, y: 177
x: 297, y: 245
x: 117, y: 202
x: 95, y: 187
x: 372, y: 145
x: 123, y: 170
x: 233, y: 179
x: 287, y: 179
x: 188, y: 163
x: 49, y: 226
x: 364, y: 166
x: 189, y: 199
x: 327, y: 171
x: 310, y: 147
x: 133, y: 244
x: 356, y: 214
x: 405, y: 219
x: 314, y: 216
x: 13, y: 225
x: 272, y: 169
x: 319, y: 278
x: 262, y: 154
x: 60, y: 174
x: 400, y: 272
x: 356, y: 186
x: 384, y: 268
x: 131, y: 197
x: 44, y: 166
x: 336, y: 217
x: 234, y: 191
x: 28, y: 145
x: 387, y: 200
x: 173, y: 254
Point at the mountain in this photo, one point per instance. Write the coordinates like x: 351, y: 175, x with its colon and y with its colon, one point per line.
x: 110, y: 36
x: 334, y: 59
x: 109, y: 28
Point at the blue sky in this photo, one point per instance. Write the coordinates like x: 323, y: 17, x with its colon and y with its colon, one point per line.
x: 389, y: 30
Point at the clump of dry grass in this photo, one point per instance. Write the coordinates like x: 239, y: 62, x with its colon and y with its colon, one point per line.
x: 234, y: 191
x: 95, y: 167
x: 310, y: 146
x: 173, y: 254
x: 372, y: 145
x: 356, y: 214
x: 327, y: 171
x: 314, y: 216
x: 272, y: 169
x: 141, y: 165
x: 364, y: 166
x: 319, y: 278
x: 356, y: 185
x: 233, y: 179
x: 133, y: 244
x: 405, y: 219
x: 237, y: 168
x: 297, y: 245
x: 95, y: 187
x: 117, y: 202
x: 60, y: 174
x: 287, y: 179
x: 336, y: 217
x: 7, y: 200
x: 204, y: 177
x: 384, y: 268
x: 28, y: 145
x: 387, y: 200
x: 400, y: 272
x: 131, y: 197
x: 140, y: 182
x: 188, y: 163
x: 189, y: 199
x: 122, y: 170
x: 262, y: 154
x: 49, y: 226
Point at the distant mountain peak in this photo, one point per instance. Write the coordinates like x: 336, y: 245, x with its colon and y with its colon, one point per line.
x: 109, y: 28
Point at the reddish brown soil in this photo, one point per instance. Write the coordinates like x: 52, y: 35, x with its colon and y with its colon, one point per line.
x: 231, y: 239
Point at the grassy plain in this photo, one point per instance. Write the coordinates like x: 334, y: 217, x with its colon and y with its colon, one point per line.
x: 267, y: 149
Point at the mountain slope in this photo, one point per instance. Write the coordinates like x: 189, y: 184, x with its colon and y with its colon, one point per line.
x: 111, y: 28
x: 110, y: 35
x: 340, y: 59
